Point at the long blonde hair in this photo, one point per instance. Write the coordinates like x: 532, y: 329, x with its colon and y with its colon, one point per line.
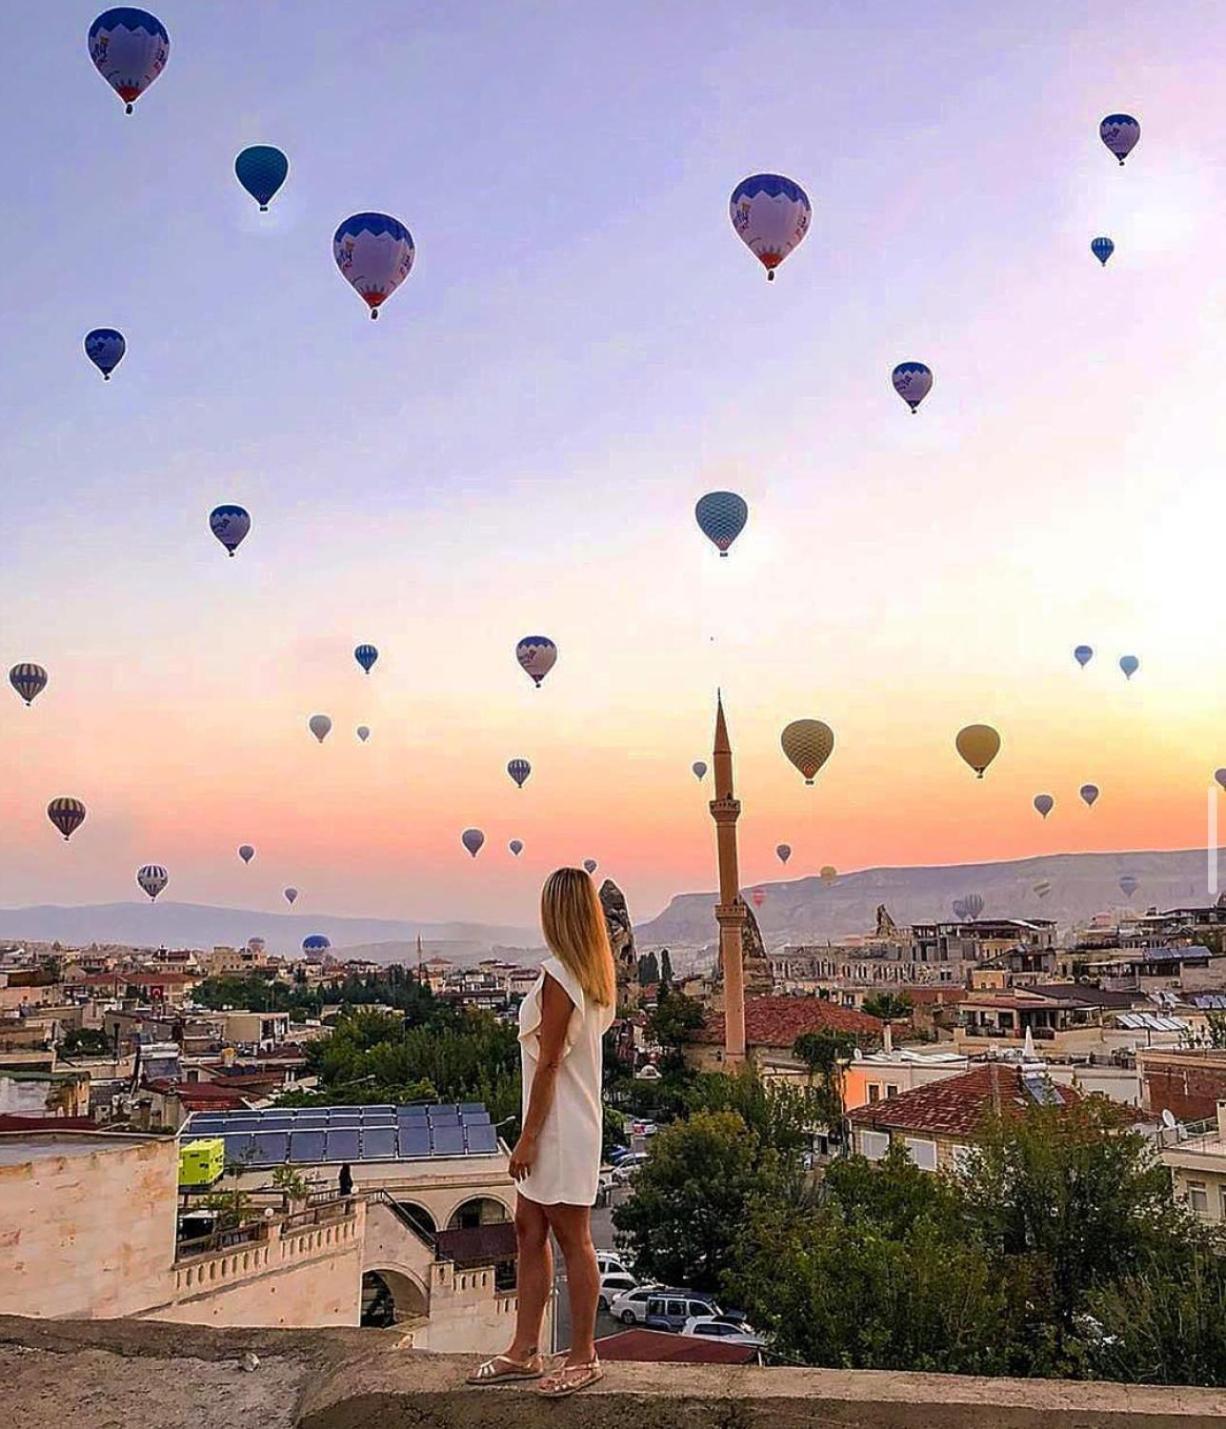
x: 574, y: 927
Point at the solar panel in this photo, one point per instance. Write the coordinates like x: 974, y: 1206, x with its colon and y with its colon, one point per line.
x: 448, y: 1140
x: 271, y: 1148
x: 379, y: 1143
x: 342, y: 1145
x: 240, y: 1148
x: 1042, y: 1091
x: 306, y: 1145
x: 482, y: 1139
x: 338, y: 1119
x: 411, y: 1113
x: 312, y: 1119
x: 379, y: 1109
x: 243, y: 1122
x: 414, y: 1142
x: 466, y: 1108
x: 445, y: 1112
x: 476, y: 1118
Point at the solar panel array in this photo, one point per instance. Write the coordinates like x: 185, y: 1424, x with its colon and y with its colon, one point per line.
x: 312, y: 1136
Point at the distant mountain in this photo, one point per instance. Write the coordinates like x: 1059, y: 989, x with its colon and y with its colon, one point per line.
x: 806, y: 910
x: 194, y: 925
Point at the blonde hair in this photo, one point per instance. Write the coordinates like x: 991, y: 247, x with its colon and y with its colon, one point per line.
x: 574, y: 927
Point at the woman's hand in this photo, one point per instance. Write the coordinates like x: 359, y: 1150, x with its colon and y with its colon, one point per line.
x: 523, y: 1157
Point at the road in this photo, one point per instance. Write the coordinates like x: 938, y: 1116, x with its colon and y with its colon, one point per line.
x: 602, y: 1238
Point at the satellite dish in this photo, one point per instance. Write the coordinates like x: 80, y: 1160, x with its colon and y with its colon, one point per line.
x: 1168, y: 1119
x: 857, y: 1055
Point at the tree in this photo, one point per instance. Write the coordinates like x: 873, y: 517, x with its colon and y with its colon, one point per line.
x: 674, y: 1018
x: 888, y: 1006
x: 666, y: 968
x: 782, y: 1117
x: 824, y: 1052
x: 85, y: 1042
x: 649, y: 970
x: 691, y: 1199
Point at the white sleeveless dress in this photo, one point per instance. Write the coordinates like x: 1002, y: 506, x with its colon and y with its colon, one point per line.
x: 568, y: 1150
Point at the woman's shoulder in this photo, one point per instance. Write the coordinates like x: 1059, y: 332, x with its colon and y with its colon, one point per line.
x: 555, y: 968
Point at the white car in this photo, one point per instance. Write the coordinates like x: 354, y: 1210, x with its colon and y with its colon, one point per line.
x: 610, y: 1262
x: 614, y: 1285
x: 713, y: 1327
x: 629, y: 1167
x: 630, y: 1307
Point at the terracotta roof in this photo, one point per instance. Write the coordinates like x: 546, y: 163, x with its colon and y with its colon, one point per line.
x: 47, y: 1123
x: 958, y: 1106
x: 660, y: 1346
x: 194, y: 1095
x: 778, y: 1021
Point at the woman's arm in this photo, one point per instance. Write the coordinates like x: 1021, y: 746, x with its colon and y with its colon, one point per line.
x: 556, y: 1008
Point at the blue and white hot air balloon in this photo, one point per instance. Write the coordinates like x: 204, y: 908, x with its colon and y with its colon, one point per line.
x: 230, y: 525
x: 261, y: 170
x: 366, y: 655
x: 1083, y: 655
x: 913, y: 382
x: 472, y: 839
x: 537, y: 654
x: 129, y: 48
x: 28, y: 679
x: 1120, y: 133
x: 105, y: 347
x: 1102, y: 249
x: 374, y: 252
x: 519, y: 769
x: 1130, y: 665
x: 315, y: 943
x: 721, y: 517
x: 152, y: 879
x: 1089, y: 795
x: 771, y: 216
x: 1044, y: 803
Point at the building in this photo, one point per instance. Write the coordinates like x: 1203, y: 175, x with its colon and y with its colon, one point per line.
x: 974, y: 940
x: 1198, y: 1169
x: 884, y: 1074
x: 730, y: 911
x: 771, y: 1027
x: 1188, y: 1082
x: 234, y: 962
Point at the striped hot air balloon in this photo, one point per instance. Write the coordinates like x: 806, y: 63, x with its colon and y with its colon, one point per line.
x: 67, y: 815
x: 366, y: 655
x: 152, y: 879
x: 29, y: 680
x: 519, y: 769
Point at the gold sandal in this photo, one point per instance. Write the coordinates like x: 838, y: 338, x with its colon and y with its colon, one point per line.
x: 570, y: 1379
x: 489, y: 1373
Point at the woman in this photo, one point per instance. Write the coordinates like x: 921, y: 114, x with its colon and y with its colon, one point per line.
x: 556, y: 1161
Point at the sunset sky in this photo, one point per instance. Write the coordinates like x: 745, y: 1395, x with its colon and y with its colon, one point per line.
x: 584, y: 348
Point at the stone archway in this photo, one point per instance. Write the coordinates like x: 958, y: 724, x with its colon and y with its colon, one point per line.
x: 420, y: 1215
x: 390, y: 1296
x: 478, y: 1211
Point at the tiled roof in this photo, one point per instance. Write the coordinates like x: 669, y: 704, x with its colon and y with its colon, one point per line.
x: 958, y: 1106
x: 778, y: 1021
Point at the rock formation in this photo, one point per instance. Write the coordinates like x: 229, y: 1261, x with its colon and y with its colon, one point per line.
x: 621, y: 939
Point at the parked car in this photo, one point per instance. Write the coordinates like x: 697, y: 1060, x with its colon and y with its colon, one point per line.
x: 670, y: 1309
x: 630, y: 1307
x: 643, y: 1128
x: 710, y: 1327
x: 616, y: 1154
x: 611, y: 1286
x: 611, y: 1262
x: 629, y: 1166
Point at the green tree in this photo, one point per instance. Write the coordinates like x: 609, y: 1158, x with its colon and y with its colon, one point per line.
x: 888, y: 1006
x: 782, y: 1117
x: 824, y: 1053
x: 649, y: 970
x: 666, y: 968
x: 85, y: 1042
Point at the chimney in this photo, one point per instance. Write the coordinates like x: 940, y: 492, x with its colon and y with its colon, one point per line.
x: 888, y: 1042
x: 1221, y: 1121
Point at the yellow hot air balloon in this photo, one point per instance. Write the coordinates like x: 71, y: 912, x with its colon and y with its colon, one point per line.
x: 978, y: 744
x: 829, y: 873
x: 808, y: 743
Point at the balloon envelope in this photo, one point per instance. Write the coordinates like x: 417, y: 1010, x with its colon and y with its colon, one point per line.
x: 978, y: 744
x: 1128, y: 885
x: 261, y: 170
x: 758, y: 896
x: 1089, y: 793
x: 519, y: 769
x: 913, y: 382
x: 366, y: 655
x: 590, y: 864
x: 374, y: 253
x: 1130, y: 665
x: 472, y: 839
x: 1083, y: 655
x: 784, y: 852
x: 1120, y: 133
x: 363, y: 732
x: 152, y: 879
x: 129, y: 49
x: 105, y: 347
x: 1102, y: 249
x: 516, y: 846
x: 808, y: 743
x: 771, y: 216
x: 315, y: 943
x: 67, y: 815
x: 537, y: 654
x: 700, y: 770
x: 246, y: 852
x: 320, y: 726
x: 230, y: 525
x: 828, y: 873
x: 973, y: 904
x: 291, y: 896
x: 28, y: 680
x: 721, y: 517
x: 1220, y: 776
x: 1044, y: 803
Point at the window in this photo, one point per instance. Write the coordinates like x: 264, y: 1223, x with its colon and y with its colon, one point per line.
x: 922, y: 1153
x: 1198, y: 1197
x: 874, y: 1091
x: 874, y: 1144
x: 698, y: 1308
x: 891, y: 1089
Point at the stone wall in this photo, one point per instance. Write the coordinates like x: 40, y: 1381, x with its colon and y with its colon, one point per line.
x: 1187, y: 1084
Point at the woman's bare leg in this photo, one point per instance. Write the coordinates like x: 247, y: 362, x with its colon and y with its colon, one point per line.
x: 573, y: 1227
x: 534, y: 1276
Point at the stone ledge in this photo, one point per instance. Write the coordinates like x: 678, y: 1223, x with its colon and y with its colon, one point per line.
x: 97, y: 1374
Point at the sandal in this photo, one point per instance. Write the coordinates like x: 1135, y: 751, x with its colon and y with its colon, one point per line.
x: 570, y: 1379
x: 490, y: 1373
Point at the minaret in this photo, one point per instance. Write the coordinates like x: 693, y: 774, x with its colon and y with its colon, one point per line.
x: 729, y: 911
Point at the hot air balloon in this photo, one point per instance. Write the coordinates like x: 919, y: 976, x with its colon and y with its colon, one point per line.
x: 721, y: 517
x: 129, y: 48
x: 973, y: 904
x: 105, y: 347
x: 519, y: 769
x: 152, y: 878
x: 758, y: 896
x: 261, y: 170
x: 28, y: 680
x: 828, y: 873
x: 366, y: 655
x: 230, y: 525
x: 1220, y: 776
x: 375, y: 254
x: 783, y: 852
x: 320, y: 726
x: 67, y: 815
x: 1102, y: 249
x: 1130, y: 665
x: 1042, y: 888
x: 246, y: 852
x: 913, y: 382
x: 472, y: 839
x: 959, y: 907
x: 771, y: 216
x: 590, y: 864
x: 1120, y: 133
x: 1128, y: 885
x: 1089, y: 794
x: 537, y: 654
x: 363, y: 732
x: 808, y: 743
x: 1044, y: 803
x: 315, y: 943
x: 978, y: 744
x: 700, y: 770
x: 291, y: 896
x: 1083, y: 655
x: 516, y: 846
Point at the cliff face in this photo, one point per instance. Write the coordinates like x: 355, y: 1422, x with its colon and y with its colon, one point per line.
x: 621, y: 935
x: 753, y: 958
